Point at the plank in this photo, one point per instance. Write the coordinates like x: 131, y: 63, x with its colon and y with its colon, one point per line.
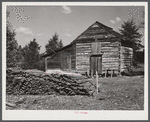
x: 108, y: 50
x: 83, y: 51
x: 83, y: 43
x: 110, y: 61
x: 110, y: 57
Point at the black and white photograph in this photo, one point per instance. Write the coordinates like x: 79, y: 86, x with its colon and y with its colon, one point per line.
x: 75, y: 60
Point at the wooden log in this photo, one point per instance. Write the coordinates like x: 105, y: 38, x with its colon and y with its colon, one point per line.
x: 110, y: 47
x: 84, y: 50
x: 21, y: 101
x: 110, y: 61
x: 110, y: 64
x: 92, y: 36
x: 82, y: 57
x: 104, y: 68
x: 10, y: 104
x: 82, y: 44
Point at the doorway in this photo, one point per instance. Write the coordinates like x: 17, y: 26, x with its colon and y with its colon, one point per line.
x: 96, y: 64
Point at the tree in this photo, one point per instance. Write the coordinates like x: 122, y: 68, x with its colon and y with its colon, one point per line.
x: 19, y: 56
x: 60, y: 44
x: 11, y: 44
x: 31, y: 55
x: 130, y: 33
x: 53, y: 44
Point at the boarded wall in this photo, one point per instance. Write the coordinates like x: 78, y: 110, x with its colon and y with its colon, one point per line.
x: 64, y: 60
x: 54, y: 63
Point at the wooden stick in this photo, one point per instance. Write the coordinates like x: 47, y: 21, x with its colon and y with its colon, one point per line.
x: 111, y: 73
x: 10, y: 104
x: 96, y: 82
x: 92, y: 73
x: 105, y: 73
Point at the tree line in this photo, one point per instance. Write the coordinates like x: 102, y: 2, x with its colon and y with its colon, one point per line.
x: 27, y: 57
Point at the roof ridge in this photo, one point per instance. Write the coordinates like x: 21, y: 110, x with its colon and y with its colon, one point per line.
x: 89, y: 27
x: 103, y: 25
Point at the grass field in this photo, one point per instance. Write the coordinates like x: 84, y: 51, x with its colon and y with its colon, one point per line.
x: 117, y: 93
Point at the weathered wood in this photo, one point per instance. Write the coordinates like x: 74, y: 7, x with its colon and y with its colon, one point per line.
x: 96, y: 82
x: 110, y: 61
x: 83, y: 58
x: 84, y: 49
x: 110, y: 65
x: 125, y: 57
x: 69, y: 62
x: 99, y: 65
x: 10, y: 104
x: 95, y: 40
x: 83, y: 54
x: 99, y: 47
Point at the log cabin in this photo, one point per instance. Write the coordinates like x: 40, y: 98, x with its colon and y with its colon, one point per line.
x: 99, y: 48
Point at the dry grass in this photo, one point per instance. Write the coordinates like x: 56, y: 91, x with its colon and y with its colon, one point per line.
x: 119, y: 93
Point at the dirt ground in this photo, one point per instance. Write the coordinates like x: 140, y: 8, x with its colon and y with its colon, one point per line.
x: 117, y: 93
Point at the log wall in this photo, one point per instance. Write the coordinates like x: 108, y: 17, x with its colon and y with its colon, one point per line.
x: 95, y: 40
x: 83, y: 53
x: 110, y: 58
x: 126, y: 57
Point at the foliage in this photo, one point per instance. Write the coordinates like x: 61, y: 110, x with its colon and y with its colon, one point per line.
x: 11, y: 45
x: 19, y: 56
x: 53, y: 44
x: 140, y: 56
x: 31, y: 55
x: 26, y: 57
x: 130, y: 33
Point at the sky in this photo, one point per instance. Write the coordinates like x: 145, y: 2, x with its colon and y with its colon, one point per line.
x: 42, y: 22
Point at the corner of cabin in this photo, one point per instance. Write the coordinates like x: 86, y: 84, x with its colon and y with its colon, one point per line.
x: 126, y: 55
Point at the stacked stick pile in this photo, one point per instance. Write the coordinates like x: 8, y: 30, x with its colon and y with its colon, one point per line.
x: 20, y: 82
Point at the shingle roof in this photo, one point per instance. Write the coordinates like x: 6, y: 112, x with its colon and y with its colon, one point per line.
x: 100, y: 26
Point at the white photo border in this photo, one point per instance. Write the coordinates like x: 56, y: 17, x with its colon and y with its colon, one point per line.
x: 70, y: 114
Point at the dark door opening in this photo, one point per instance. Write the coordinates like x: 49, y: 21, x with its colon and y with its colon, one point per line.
x: 96, y: 64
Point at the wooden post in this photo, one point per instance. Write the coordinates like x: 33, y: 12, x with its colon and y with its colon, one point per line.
x: 111, y: 73
x: 88, y: 72
x: 96, y: 82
